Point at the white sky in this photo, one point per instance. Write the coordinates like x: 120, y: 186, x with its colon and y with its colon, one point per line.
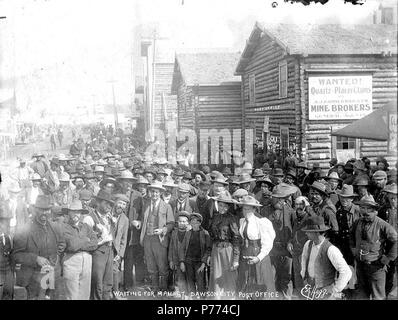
x: 66, y: 51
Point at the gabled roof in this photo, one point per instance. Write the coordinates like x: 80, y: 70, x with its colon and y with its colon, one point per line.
x: 324, y: 39
x: 215, y: 68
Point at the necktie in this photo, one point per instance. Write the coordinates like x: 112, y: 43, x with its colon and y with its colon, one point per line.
x: 245, y: 229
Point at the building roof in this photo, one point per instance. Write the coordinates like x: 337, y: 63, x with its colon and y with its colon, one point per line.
x: 325, y: 39
x: 215, y: 68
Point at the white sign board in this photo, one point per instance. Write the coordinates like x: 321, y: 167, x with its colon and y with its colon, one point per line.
x: 339, y: 97
x: 266, y: 124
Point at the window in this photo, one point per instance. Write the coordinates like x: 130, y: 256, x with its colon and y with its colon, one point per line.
x: 344, y: 143
x: 387, y: 15
x: 283, y: 79
x: 252, y: 89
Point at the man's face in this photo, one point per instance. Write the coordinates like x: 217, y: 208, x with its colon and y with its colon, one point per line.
x: 362, y: 191
x: 279, y: 179
x: 126, y: 185
x: 368, y: 213
x: 346, y: 202
x: 79, y: 183
x: 203, y: 191
x: 340, y: 170
x: 22, y: 164
x: 42, y: 215
x: 247, y: 210
x: 155, y: 194
x: 278, y: 203
x: 315, y: 196
x: 289, y: 179
x: 120, y: 207
x: 182, y: 195
x: 53, y: 166
x: 245, y: 186
x: 381, y: 166
x: 223, y: 207
x: 104, y: 206
x: 182, y: 223
x: 195, y: 223
x: 313, y: 236
x: 85, y: 203
x: 265, y: 188
x: 177, y: 179
x: 37, y: 158
x: 109, y: 187
x: 63, y: 185
x: 198, y: 178
x: 161, y: 177
x: 300, y: 206
x: 36, y: 183
x: 74, y: 216
x: 149, y: 176
x: 218, y: 188
x: 380, y: 182
x: 142, y: 189
x: 333, y: 183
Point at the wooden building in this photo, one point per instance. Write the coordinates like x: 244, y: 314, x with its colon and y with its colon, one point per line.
x: 301, y: 82
x: 208, y: 93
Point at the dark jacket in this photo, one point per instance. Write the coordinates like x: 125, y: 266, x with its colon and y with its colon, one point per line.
x: 80, y: 238
x: 205, y: 245
x: 175, y: 247
x: 189, y: 206
x: 119, y: 233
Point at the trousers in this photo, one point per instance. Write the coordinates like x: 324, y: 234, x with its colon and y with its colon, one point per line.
x: 282, y: 266
x: 102, y: 273
x: 195, y: 281
x: 134, y: 258
x: 155, y: 256
x: 371, y: 281
x: 77, y: 276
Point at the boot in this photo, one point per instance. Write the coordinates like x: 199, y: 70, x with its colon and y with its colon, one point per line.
x: 154, y: 282
x: 163, y: 283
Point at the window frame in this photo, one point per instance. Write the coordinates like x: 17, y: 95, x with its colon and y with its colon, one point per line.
x: 282, y: 64
x: 252, y: 89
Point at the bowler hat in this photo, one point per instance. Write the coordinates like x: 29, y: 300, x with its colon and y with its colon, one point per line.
x: 106, y: 196
x: 42, y: 202
x: 107, y: 180
x: 249, y: 201
x: 315, y: 224
x: 319, y: 186
x: 347, y: 191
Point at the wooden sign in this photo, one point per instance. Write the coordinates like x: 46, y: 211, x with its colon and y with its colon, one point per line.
x: 392, y: 133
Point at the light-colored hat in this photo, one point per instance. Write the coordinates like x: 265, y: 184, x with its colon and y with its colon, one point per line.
x: 64, y: 176
x: 368, y: 201
x: 224, y: 198
x: 142, y: 180
x: 245, y: 178
x: 240, y: 193
x: 347, y: 191
x: 333, y: 175
x: 169, y: 182
x: 249, y: 201
x: 122, y: 197
x: 183, y: 187
x: 156, y: 185
x: 126, y: 175
x: 76, y: 205
x: 36, y: 176
x: 380, y: 174
x: 390, y: 188
x: 99, y: 169
x: 282, y: 190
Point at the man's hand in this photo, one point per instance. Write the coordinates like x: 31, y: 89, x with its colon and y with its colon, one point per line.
x: 290, y: 247
x: 253, y: 260
x: 201, y: 268
x: 235, y: 266
x: 117, y: 258
x: 182, y: 266
x: 41, y: 261
x: 384, y: 260
x: 208, y: 261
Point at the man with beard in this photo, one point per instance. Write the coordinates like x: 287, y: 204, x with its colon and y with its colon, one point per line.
x: 282, y: 220
x: 120, y: 233
x: 64, y: 195
x: 333, y: 181
x: 361, y: 187
x: 203, y: 195
x: 100, y: 220
x: 380, y: 181
x: 301, y: 167
x: 374, y: 245
x: 322, y: 206
x: 126, y: 181
x: 37, y: 247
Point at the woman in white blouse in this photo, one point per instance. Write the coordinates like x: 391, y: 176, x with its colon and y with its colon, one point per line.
x: 255, y: 272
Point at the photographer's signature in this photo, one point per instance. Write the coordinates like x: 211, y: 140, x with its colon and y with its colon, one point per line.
x: 313, y: 293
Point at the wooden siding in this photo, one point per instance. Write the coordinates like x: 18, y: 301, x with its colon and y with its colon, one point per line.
x: 185, y: 117
x: 265, y: 65
x: 318, y: 141
x: 163, y: 97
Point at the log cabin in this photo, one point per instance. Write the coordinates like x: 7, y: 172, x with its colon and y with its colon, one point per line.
x: 301, y: 82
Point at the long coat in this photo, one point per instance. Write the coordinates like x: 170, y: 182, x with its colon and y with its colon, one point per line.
x: 120, y: 233
x: 189, y: 206
x: 166, y: 219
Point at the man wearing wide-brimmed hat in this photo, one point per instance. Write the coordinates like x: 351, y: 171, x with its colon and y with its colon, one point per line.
x: 36, y: 189
x: 323, y: 267
x: 323, y: 206
x: 245, y: 180
x: 157, y: 223
x: 380, y: 181
x: 109, y: 185
x: 255, y: 270
x: 39, y: 165
x: 300, y: 173
x: 77, y: 262
x: 333, y: 181
x: 126, y: 181
x: 37, y: 248
x: 52, y: 174
x: 64, y: 195
x: 183, y: 202
x: 264, y: 195
x: 100, y: 220
x: 374, y: 245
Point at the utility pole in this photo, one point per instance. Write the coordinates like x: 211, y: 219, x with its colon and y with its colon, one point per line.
x: 114, y: 103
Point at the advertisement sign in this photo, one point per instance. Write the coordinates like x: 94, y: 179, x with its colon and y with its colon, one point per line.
x: 392, y: 133
x: 266, y: 124
x: 339, y: 97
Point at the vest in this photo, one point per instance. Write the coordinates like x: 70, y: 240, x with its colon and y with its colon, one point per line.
x: 325, y: 272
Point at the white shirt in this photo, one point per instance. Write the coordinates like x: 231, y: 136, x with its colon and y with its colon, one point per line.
x: 259, y: 228
x: 33, y: 195
x: 335, y: 257
x: 13, y: 208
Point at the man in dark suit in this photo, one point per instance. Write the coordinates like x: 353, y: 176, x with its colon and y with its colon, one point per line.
x: 183, y: 202
x: 37, y: 248
x: 119, y: 232
x: 157, y: 224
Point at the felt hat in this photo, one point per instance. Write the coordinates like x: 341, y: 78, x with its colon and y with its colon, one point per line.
x: 151, y: 170
x: 278, y: 172
x: 141, y: 180
x: 227, y: 171
x: 266, y: 167
x: 122, y: 197
x: 347, y: 191
x: 390, y: 188
x: 266, y: 180
x: 184, y: 187
x: 206, y: 169
x: 179, y: 172
x: 380, y: 174
x: 161, y: 171
x: 99, y: 169
x: 368, y: 201
x: 101, y: 162
x: 224, y: 198
x: 199, y: 173
x: 107, y: 180
x: 282, y: 191
x: 64, y: 176
x: 35, y: 177
x: 55, y: 160
x: 240, y: 193
x: 169, y: 182
x: 245, y: 178
x: 319, y: 186
x: 249, y: 201
x: 233, y: 180
x: 195, y: 215
x: 315, y: 224
x: 220, y: 180
x: 333, y: 175
x: 156, y: 185
x: 247, y: 166
x: 76, y: 205
x: 103, y: 195
x: 361, y: 181
x: 37, y: 155
x: 43, y: 202
x: 333, y: 161
x: 187, y: 176
x: 126, y: 175
x: 183, y: 213
x: 258, y: 173
x: 349, y: 166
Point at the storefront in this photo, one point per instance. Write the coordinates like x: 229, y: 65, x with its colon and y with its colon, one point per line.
x: 311, y: 81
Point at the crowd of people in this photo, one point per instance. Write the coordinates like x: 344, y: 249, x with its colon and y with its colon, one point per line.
x: 109, y: 217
